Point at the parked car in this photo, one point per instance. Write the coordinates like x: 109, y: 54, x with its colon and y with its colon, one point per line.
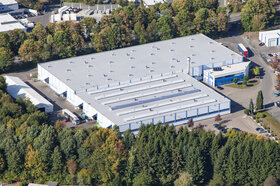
x: 270, y: 55
x: 217, y: 126
x: 257, y: 129
x: 220, y: 88
x: 236, y: 129
x: 262, y: 131
x: 261, y: 44
x: 224, y: 130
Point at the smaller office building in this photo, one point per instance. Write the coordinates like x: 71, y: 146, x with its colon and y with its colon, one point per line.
x: 225, y: 74
x: 270, y: 38
x: 17, y: 88
x: 8, y: 5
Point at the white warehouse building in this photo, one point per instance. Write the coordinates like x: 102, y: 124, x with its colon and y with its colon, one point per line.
x: 8, y: 5
x: 270, y: 38
x: 143, y: 84
x: 17, y: 88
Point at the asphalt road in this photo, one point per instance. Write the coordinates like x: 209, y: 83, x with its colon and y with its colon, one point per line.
x: 267, y: 84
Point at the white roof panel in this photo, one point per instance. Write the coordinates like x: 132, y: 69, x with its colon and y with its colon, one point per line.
x: 229, y: 69
x: 133, y: 106
x: 8, y: 22
x: 7, y: 2
x: 139, y: 62
x: 17, y: 88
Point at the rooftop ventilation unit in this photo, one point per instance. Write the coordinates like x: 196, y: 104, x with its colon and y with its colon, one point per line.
x: 213, y: 51
x: 132, y: 66
x: 131, y: 58
x: 152, y: 54
x: 147, y: 67
x: 191, y: 46
x: 133, y: 50
x: 153, y: 63
x: 210, y: 42
x: 192, y: 39
x: 111, y: 71
x: 130, y: 75
x: 113, y: 54
x: 49, y: 66
x: 68, y: 79
x: 172, y: 66
x: 89, y: 75
x: 86, y: 62
x: 90, y: 66
x: 217, y: 69
x: 171, y: 50
x: 71, y: 62
x: 92, y: 58
x: 111, y: 62
x: 87, y: 83
x: 105, y: 75
x: 127, y: 54
x: 68, y: 70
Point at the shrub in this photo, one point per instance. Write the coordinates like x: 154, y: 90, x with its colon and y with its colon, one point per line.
x: 246, y: 111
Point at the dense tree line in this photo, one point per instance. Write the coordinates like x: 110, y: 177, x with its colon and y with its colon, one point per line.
x: 34, y: 150
x: 129, y: 25
x: 258, y: 14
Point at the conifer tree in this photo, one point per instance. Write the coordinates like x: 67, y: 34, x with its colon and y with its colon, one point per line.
x: 259, y: 100
x: 251, y: 107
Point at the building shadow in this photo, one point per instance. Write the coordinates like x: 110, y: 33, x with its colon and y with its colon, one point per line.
x: 235, y: 107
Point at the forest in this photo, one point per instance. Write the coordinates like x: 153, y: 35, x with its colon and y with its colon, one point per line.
x: 126, y: 26
x: 32, y: 149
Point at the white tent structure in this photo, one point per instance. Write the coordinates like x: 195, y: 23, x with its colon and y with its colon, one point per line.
x: 17, y: 88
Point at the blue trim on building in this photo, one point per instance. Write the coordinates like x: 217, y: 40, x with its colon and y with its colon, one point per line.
x: 228, y: 80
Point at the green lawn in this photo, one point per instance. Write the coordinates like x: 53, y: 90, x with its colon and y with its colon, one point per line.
x: 269, y: 121
x: 251, y: 83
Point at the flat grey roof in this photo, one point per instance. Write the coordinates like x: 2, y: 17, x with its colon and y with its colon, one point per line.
x: 141, y: 61
x: 152, y: 98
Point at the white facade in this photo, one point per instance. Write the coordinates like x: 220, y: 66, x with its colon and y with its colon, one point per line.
x: 8, y: 5
x: 8, y: 22
x: 270, y: 38
x: 143, y: 84
x: 226, y: 73
x: 17, y: 88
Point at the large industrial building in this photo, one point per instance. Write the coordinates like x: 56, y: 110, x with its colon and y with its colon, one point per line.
x: 17, y: 88
x: 150, y: 83
x: 270, y: 38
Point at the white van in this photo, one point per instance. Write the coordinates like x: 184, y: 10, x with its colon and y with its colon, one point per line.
x: 71, y: 116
